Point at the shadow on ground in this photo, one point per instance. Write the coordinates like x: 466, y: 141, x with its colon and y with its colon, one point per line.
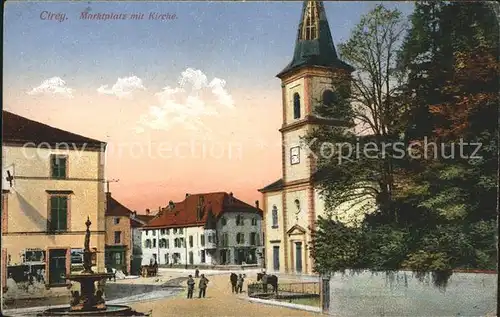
x: 113, y: 291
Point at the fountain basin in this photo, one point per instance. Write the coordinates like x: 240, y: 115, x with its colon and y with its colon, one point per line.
x: 111, y: 310
x: 89, y: 276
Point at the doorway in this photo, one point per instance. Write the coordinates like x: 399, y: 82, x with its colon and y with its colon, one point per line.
x: 298, y: 257
x: 57, y: 266
x: 276, y: 258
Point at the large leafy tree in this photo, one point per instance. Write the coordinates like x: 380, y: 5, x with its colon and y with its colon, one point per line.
x: 435, y: 213
x: 344, y: 171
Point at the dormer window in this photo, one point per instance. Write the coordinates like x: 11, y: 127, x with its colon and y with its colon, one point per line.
x: 296, y: 106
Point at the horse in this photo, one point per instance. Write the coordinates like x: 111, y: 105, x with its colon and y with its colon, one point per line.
x: 271, y: 280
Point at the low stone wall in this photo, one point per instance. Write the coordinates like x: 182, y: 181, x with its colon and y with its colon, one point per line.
x: 212, y: 267
x: 402, y: 294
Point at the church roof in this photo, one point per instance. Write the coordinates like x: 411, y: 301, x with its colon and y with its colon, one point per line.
x: 275, y: 186
x: 314, y: 45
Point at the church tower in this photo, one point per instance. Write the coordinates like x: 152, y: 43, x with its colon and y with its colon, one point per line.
x: 310, y: 78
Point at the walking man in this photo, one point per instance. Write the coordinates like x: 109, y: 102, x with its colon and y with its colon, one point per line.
x: 202, y: 286
x: 234, y: 281
x: 240, y: 284
x: 190, y: 283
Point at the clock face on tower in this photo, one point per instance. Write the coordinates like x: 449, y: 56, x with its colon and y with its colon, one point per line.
x: 295, y: 155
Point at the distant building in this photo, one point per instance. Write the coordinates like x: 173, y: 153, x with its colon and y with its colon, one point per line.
x: 52, y: 181
x: 118, y: 235
x: 137, y: 221
x: 204, y: 229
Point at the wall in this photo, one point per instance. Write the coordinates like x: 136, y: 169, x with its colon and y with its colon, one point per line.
x: 125, y: 238
x: 212, y: 256
x: 300, y: 170
x: 28, y: 201
x: 274, y: 236
x: 231, y: 229
x: 467, y: 294
x: 151, y: 234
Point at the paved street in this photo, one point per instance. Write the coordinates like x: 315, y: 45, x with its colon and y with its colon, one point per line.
x: 219, y: 302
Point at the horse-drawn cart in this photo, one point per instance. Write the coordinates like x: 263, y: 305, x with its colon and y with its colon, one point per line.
x: 149, y: 270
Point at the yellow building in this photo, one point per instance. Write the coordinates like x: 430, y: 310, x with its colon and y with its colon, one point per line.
x: 292, y: 204
x: 52, y: 181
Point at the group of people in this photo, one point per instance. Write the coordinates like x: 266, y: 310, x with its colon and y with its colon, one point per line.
x: 202, y: 285
x: 237, y: 283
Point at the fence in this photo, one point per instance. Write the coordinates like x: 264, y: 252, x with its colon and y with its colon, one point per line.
x: 310, y: 288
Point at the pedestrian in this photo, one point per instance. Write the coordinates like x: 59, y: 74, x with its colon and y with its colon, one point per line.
x: 234, y: 281
x: 264, y: 281
x: 240, y: 284
x: 202, y: 286
x: 190, y: 284
x: 197, y: 273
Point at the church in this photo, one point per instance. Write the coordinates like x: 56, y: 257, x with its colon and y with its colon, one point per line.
x: 292, y: 204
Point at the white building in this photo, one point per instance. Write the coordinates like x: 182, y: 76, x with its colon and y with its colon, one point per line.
x: 204, y: 229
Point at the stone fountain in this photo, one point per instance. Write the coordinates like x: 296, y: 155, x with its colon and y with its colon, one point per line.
x: 89, y: 302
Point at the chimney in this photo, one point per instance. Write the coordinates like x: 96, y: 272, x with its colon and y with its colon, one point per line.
x: 257, y: 204
x: 171, y: 205
x: 187, y: 194
x: 148, y: 212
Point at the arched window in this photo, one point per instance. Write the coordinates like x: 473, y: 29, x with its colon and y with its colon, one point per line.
x: 223, y: 221
x: 329, y: 97
x: 147, y: 244
x: 296, y: 105
x: 275, y: 216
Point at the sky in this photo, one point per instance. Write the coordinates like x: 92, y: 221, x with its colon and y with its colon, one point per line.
x: 187, y: 104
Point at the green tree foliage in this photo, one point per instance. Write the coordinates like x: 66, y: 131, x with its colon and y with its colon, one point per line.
x: 436, y: 87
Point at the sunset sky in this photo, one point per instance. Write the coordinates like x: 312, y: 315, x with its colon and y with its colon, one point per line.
x: 204, y: 80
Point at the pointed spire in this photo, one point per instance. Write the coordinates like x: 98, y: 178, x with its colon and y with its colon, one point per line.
x: 314, y: 45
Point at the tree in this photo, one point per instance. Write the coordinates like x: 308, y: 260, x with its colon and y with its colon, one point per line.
x: 436, y: 213
x: 362, y: 179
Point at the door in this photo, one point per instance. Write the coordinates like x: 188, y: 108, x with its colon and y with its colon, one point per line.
x: 223, y: 256
x: 298, y: 257
x: 276, y: 258
x: 57, y: 266
x: 191, y: 257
